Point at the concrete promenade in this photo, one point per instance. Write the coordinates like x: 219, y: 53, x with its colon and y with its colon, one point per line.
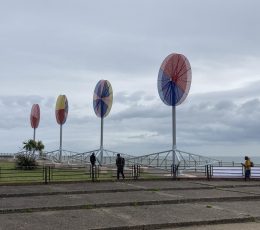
x: 166, y: 204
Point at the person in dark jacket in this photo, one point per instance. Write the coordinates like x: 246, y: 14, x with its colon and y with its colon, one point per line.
x: 120, y: 163
x: 93, y: 166
x: 93, y: 159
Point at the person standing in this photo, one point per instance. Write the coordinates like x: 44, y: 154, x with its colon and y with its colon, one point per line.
x: 120, y: 163
x: 93, y: 159
x: 247, y: 166
x: 93, y: 164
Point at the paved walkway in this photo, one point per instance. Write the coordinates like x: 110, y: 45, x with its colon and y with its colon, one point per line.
x: 131, y: 205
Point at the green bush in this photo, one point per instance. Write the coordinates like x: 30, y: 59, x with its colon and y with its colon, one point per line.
x: 26, y: 161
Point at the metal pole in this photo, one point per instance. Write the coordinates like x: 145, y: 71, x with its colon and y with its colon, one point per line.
x: 34, y: 132
x: 173, y: 134
x: 60, y: 143
x: 101, y: 141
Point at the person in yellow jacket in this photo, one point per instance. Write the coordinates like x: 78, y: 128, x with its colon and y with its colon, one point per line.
x: 247, y: 166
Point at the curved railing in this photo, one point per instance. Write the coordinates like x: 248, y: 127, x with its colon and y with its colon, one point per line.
x: 161, y: 160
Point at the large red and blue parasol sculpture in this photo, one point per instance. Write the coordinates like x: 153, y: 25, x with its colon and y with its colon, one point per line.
x: 102, y: 103
x: 174, y: 80
x: 35, y: 118
x: 61, y: 113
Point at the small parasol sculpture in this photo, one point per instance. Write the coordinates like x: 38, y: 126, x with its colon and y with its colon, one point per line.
x: 174, y: 80
x: 102, y: 103
x: 61, y: 112
x: 35, y: 118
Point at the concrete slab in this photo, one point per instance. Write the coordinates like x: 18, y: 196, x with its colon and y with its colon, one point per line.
x: 95, y: 187
x: 139, y: 217
x: 122, y: 210
x: 115, y: 199
x: 69, y: 187
x: 247, y: 190
x: 81, y: 200
x: 250, y: 208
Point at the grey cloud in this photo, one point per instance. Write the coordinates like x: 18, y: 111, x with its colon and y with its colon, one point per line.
x: 233, y: 124
x: 144, y: 135
x: 61, y: 35
x: 20, y: 100
x: 140, y: 111
x: 133, y: 98
x: 219, y: 117
x: 250, y: 90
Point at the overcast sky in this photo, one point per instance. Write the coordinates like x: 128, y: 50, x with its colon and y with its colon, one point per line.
x: 52, y: 47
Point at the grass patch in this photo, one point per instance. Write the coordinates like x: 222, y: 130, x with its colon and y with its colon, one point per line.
x: 10, y: 174
x: 135, y: 204
x: 7, y: 164
x: 88, y: 206
x: 155, y: 189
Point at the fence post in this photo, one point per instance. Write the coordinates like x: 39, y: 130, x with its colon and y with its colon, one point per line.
x: 208, y: 172
x: 174, y: 171
x: 43, y: 172
x: 49, y: 173
x: 52, y: 170
x: 92, y: 173
x: 135, y: 171
x: 96, y: 172
x: 45, y: 175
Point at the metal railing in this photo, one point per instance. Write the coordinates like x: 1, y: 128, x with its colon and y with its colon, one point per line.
x: 61, y: 173
x: 4, y: 156
x: 157, y: 162
x: 234, y: 170
x: 57, y: 173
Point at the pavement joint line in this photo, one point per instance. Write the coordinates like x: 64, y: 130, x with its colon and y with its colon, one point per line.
x: 226, y: 186
x: 130, y: 203
x: 242, y: 192
x: 188, y: 179
x: 181, y: 224
x: 25, y: 183
x: 7, y: 195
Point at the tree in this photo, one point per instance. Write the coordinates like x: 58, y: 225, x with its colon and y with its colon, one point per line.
x: 30, y: 145
x: 39, y: 147
x: 33, y: 146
